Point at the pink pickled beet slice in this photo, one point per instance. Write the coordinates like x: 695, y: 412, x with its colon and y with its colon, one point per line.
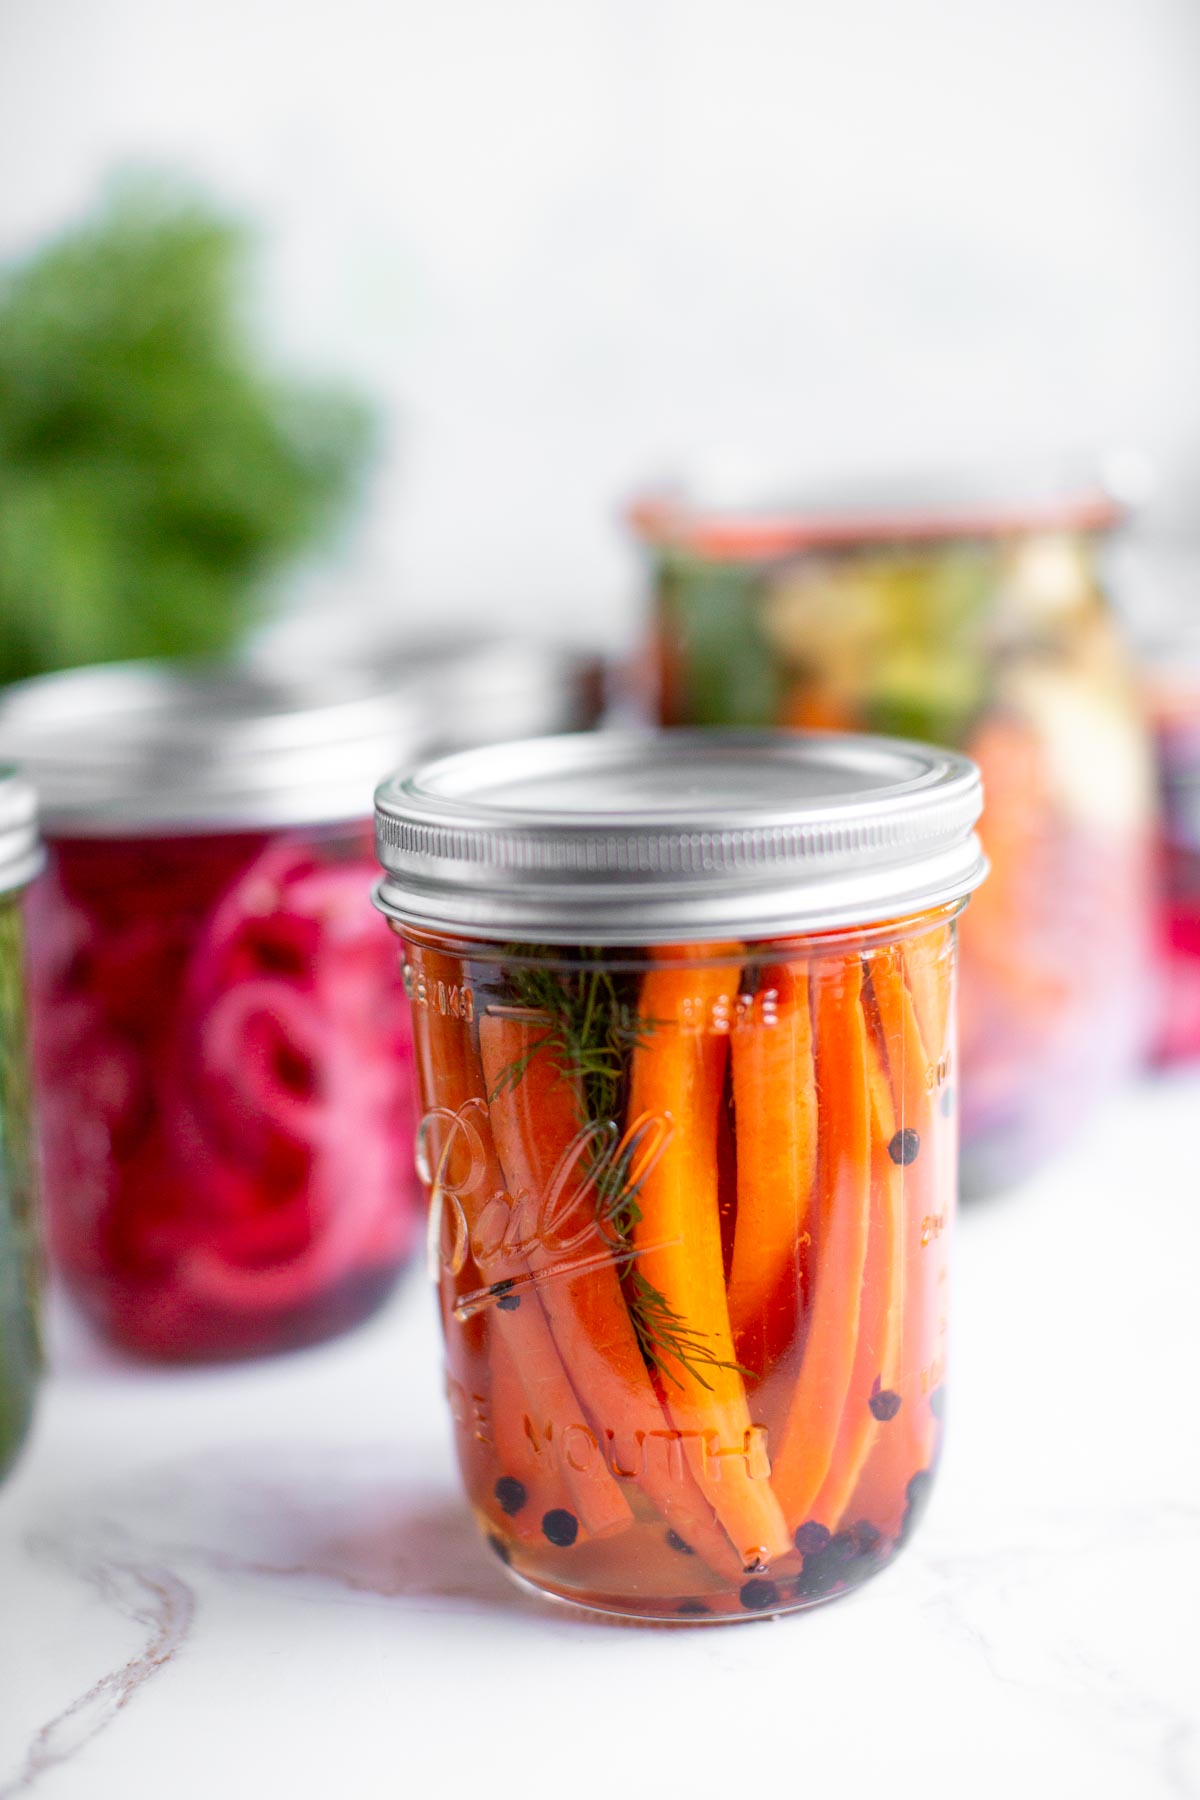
x: 253, y: 932
x: 260, y: 1056
x: 271, y: 1064
x: 357, y: 1160
x: 328, y: 1067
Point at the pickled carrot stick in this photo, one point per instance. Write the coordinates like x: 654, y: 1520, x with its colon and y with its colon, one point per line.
x: 912, y: 1073
x: 809, y: 1434
x: 678, y: 1074
x: 536, y: 1126
x: 872, y: 1400
x: 527, y: 1486
x: 550, y: 1401
x: 928, y: 969
x: 453, y: 1081
x: 908, y: 1443
x: 775, y: 1105
x: 883, y: 1106
x: 438, y: 1067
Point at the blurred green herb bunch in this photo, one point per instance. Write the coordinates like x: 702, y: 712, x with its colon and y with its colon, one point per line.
x: 156, y: 474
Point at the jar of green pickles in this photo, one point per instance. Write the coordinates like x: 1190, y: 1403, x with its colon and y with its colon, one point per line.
x: 20, y: 1353
x: 977, y: 621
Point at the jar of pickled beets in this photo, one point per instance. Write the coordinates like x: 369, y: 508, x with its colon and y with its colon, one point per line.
x: 222, y: 1050
x: 684, y: 1018
x: 20, y: 1347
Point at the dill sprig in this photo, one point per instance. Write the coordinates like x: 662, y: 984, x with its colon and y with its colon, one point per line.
x: 664, y: 1337
x: 590, y: 1032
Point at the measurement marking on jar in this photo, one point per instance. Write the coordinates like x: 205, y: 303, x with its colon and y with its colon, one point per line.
x: 728, y: 1013
x: 470, y: 1411
x: 933, y: 1377
x: 932, y: 1226
x: 698, y: 1014
x: 451, y: 1001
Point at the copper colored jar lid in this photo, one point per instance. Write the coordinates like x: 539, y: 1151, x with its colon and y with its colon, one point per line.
x: 963, y: 506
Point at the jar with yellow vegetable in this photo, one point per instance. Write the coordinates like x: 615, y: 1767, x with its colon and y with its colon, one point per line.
x: 978, y: 623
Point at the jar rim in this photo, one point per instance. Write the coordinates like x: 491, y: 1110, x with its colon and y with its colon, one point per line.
x: 630, y: 837
x: 972, y: 505
x: 631, y: 959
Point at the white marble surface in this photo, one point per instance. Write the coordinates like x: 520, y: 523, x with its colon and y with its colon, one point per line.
x: 261, y: 1581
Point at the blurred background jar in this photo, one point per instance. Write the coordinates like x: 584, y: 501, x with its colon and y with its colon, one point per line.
x: 1171, y: 691
x: 221, y: 1045
x: 976, y: 619
x: 20, y: 1348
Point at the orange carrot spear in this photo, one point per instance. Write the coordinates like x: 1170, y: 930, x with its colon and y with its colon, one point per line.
x: 907, y: 1445
x: 575, y: 1262
x: 678, y: 1074
x: 468, y: 1181
x: 928, y: 968
x: 528, y: 1488
x: 775, y: 1104
x: 810, y: 1430
x: 872, y: 1400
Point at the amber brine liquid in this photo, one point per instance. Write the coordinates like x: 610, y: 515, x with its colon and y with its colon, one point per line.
x: 690, y: 1213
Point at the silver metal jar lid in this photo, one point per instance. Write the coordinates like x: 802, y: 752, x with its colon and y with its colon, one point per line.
x: 133, y: 748
x: 470, y: 688
x: 21, y: 853
x: 676, y: 836
x: 499, y: 687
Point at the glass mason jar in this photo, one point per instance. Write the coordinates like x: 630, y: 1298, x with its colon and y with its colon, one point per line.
x: 684, y: 1017
x: 980, y: 625
x: 222, y: 1043
x: 222, y: 1053
x: 20, y: 1343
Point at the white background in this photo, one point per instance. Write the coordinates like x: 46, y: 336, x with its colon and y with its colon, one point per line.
x: 573, y: 244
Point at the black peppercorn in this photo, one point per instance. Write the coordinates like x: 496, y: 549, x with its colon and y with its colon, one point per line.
x: 758, y: 1595
x: 560, y: 1527
x: 905, y: 1146
x: 812, y: 1537
x: 511, y: 1494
